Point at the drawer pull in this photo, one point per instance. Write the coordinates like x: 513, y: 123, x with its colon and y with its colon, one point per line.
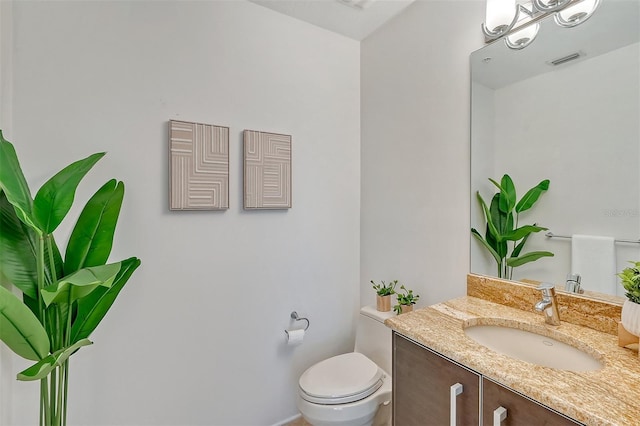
x: 455, y: 391
x: 499, y: 414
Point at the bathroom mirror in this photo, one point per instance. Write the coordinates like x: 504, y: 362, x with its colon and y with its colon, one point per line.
x: 566, y: 108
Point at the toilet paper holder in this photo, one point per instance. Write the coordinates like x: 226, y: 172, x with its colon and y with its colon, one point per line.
x: 294, y: 316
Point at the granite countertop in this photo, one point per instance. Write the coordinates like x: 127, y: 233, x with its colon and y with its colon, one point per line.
x: 610, y: 396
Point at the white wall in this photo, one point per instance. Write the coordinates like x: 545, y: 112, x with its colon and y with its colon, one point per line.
x: 415, y: 149
x: 197, y: 337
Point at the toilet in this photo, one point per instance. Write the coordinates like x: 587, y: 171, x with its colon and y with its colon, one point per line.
x: 352, y: 389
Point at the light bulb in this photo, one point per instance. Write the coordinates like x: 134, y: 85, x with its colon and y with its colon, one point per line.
x: 576, y: 14
x: 522, y: 38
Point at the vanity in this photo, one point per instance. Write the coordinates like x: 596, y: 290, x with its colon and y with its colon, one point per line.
x: 442, y: 376
x: 541, y: 112
x: 423, y: 372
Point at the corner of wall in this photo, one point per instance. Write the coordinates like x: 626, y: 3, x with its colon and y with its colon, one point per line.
x: 6, y: 63
x: 6, y: 53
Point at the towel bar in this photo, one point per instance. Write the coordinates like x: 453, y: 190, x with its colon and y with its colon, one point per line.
x: 552, y: 235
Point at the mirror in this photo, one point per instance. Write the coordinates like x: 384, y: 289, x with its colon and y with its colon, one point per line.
x: 576, y: 123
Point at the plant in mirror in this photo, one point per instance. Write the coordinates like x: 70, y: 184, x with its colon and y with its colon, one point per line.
x: 504, y: 238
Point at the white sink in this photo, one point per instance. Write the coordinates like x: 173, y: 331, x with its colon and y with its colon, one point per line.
x: 532, y: 347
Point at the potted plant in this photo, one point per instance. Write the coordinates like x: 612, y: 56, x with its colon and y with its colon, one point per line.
x: 502, y: 228
x: 63, y: 299
x: 405, y: 301
x: 383, y: 294
x: 630, y: 278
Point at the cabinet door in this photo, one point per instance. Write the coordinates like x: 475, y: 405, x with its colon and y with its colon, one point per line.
x: 422, y: 386
x: 520, y: 411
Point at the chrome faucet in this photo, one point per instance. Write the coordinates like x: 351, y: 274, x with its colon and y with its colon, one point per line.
x: 548, y: 305
x: 573, y: 284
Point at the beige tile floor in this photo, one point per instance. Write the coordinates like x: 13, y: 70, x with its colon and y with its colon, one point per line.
x: 299, y: 422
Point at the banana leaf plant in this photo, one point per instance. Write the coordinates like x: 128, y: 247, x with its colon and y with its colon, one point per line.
x: 61, y: 301
x: 504, y: 238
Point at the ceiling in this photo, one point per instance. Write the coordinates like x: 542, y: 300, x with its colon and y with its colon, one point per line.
x: 355, y: 19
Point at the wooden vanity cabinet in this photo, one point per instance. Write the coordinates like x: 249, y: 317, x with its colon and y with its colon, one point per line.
x: 519, y: 410
x: 423, y: 383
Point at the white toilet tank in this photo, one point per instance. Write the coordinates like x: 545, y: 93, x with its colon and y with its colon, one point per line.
x: 373, y: 338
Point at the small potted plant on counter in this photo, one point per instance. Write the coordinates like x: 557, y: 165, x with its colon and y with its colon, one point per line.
x: 631, y: 309
x: 405, y: 300
x: 384, y: 292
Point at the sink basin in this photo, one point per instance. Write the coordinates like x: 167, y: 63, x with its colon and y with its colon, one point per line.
x: 533, y: 347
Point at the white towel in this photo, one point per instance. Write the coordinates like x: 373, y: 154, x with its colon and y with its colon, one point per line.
x: 594, y: 258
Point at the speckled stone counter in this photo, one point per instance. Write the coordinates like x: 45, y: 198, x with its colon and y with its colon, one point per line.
x: 601, y: 314
x: 610, y: 396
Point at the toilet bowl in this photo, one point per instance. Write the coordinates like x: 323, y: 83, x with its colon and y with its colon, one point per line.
x: 350, y: 389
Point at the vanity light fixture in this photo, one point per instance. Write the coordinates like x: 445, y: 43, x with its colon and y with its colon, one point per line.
x: 500, y: 17
x: 517, y: 20
x: 522, y: 38
x: 576, y: 14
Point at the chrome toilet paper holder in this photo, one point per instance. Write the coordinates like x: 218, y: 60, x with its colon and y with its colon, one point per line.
x: 296, y: 317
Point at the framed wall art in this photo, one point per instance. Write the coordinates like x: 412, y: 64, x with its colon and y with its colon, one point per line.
x: 198, y: 166
x: 267, y: 170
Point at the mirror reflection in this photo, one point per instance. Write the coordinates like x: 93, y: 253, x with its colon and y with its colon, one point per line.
x: 566, y: 108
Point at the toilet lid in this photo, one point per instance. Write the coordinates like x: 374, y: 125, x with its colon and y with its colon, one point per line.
x: 341, y: 379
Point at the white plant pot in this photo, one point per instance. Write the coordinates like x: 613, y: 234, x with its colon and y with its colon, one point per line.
x: 631, y: 317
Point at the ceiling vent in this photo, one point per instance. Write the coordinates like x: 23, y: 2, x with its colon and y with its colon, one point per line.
x: 357, y: 4
x: 565, y: 59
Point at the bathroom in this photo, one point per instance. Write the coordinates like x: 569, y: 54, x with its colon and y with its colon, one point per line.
x: 197, y: 337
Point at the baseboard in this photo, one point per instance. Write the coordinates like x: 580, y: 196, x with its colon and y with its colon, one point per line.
x: 289, y: 420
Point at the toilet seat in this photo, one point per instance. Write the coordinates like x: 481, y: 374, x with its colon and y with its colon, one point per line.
x: 341, y: 379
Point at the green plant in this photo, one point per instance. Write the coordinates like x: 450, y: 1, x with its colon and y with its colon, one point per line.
x: 631, y: 282
x: 63, y: 300
x: 502, y: 217
x: 407, y: 298
x: 385, y: 289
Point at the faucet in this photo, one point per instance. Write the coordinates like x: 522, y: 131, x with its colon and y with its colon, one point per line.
x: 573, y: 284
x: 548, y: 305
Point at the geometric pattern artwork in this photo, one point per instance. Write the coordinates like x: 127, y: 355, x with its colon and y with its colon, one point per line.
x: 198, y: 166
x: 267, y: 170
